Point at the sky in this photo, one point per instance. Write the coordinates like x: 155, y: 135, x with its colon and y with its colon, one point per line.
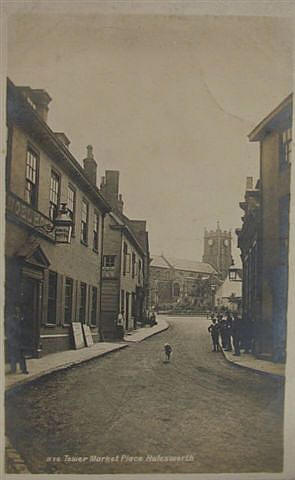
x: 166, y: 99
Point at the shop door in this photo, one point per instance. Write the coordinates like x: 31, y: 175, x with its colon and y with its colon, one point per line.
x: 31, y: 289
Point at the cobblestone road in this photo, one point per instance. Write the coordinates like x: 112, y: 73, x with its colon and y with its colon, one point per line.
x: 218, y: 418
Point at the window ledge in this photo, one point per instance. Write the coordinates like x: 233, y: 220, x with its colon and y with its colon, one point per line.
x: 95, y: 250
x: 84, y: 243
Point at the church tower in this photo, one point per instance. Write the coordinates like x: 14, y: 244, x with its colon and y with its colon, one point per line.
x: 217, y: 250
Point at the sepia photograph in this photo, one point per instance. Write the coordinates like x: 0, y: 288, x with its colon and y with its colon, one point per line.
x: 147, y: 217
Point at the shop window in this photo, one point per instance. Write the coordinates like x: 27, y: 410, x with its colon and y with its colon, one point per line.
x: 93, y: 306
x: 52, y: 291
x: 54, y: 194
x: 31, y: 189
x: 68, y: 301
x: 82, y: 309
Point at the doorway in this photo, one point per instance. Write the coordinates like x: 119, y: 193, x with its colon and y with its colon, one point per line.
x: 31, y: 300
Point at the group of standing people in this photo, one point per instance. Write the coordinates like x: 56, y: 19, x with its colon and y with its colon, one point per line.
x: 227, y: 329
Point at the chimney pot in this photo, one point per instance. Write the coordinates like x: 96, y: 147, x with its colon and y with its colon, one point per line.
x: 90, y: 166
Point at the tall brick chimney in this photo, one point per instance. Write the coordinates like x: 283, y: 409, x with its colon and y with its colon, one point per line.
x: 90, y: 166
x: 110, y: 189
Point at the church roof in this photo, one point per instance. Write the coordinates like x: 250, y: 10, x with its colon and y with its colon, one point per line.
x: 190, y: 265
x: 181, y: 264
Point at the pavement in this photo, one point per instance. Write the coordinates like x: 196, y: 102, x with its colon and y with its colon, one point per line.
x: 249, y: 361
x: 39, y: 367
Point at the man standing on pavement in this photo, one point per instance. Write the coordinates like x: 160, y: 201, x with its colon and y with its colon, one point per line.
x: 236, y: 333
x: 214, y: 330
x: 15, y: 333
x: 120, y: 325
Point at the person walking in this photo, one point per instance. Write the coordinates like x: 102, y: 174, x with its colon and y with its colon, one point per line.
x: 120, y: 325
x: 236, y: 332
x: 229, y: 324
x: 153, y: 320
x: 214, y: 330
x: 15, y: 340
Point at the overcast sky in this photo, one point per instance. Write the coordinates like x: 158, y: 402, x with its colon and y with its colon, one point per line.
x: 167, y: 100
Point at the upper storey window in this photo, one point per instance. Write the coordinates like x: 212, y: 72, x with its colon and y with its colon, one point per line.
x: 31, y: 189
x: 54, y: 194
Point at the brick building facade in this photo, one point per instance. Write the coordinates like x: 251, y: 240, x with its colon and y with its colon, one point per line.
x: 55, y: 284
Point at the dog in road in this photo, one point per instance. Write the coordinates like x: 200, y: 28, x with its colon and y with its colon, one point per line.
x: 168, y: 352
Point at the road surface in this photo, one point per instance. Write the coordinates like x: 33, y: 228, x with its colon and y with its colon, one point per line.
x: 130, y: 412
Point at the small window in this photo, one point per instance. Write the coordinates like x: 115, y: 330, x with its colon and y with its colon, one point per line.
x: 82, y: 310
x: 52, y: 291
x: 93, y: 306
x: 84, y: 222
x: 54, y: 195
x: 31, y: 189
x: 71, y: 205
x: 95, y: 231
x: 233, y: 275
x: 68, y: 301
x: 109, y: 261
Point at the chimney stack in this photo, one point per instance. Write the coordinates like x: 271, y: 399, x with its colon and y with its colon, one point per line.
x: 90, y: 166
x: 41, y: 99
x: 110, y: 189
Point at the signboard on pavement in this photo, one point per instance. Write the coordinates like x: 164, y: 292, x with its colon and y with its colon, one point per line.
x: 87, y: 335
x: 78, y: 335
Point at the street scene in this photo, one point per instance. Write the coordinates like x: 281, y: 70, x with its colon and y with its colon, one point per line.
x: 132, y: 406
x: 147, y: 231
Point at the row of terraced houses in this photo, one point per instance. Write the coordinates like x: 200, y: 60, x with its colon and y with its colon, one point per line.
x: 103, y: 270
